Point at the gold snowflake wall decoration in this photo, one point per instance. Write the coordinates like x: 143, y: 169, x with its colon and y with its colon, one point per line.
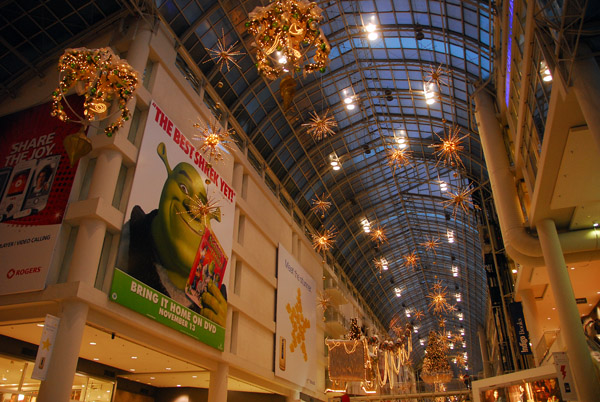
x: 324, y: 240
x: 320, y: 204
x: 378, y: 235
x: 223, y: 55
x: 462, y: 200
x: 419, y: 315
x: 320, y: 127
x: 213, y: 140
x: 431, y: 243
x: 448, y: 151
x: 411, y: 260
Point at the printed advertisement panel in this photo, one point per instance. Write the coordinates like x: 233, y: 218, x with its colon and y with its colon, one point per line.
x: 296, y: 330
x: 173, y: 260
x: 35, y: 183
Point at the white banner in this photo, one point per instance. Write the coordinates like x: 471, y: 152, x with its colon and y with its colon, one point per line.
x: 44, y: 354
x: 565, y: 376
x: 296, y: 322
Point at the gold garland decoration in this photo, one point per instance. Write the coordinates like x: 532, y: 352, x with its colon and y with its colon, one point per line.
x: 103, y: 77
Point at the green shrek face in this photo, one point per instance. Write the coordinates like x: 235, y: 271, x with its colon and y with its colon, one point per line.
x: 176, y: 231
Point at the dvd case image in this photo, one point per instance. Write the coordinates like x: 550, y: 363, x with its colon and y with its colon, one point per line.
x: 209, y: 265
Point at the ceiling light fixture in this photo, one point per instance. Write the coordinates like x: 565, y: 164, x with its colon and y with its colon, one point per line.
x: 334, y: 161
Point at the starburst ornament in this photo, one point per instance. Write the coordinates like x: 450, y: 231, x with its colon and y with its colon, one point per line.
x: 324, y: 241
x: 460, y: 360
x: 323, y: 301
x: 378, y: 235
x: 411, y: 260
x: 213, y: 140
x: 381, y: 264
x: 198, y: 209
x: 398, y: 158
x: 320, y: 204
x: 438, y: 76
x: 223, y: 55
x: 438, y: 299
x: 462, y: 200
x: 457, y: 338
x: 320, y: 127
x: 448, y: 151
x: 419, y: 315
x: 431, y: 243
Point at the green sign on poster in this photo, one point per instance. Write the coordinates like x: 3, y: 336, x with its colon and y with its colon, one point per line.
x: 139, y: 297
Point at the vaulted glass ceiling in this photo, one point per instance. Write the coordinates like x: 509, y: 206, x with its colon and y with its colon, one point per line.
x: 387, y: 76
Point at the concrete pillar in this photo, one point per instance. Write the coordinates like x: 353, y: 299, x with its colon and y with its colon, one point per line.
x: 580, y: 360
x: 61, y: 371
x: 294, y: 396
x: 485, y: 357
x: 106, y: 174
x: 217, y: 388
x: 87, y: 251
x: 238, y: 178
x: 531, y: 319
x: 586, y: 84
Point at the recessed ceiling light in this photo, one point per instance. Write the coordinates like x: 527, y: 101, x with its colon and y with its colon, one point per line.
x: 548, y: 317
x: 131, y: 369
x: 152, y: 378
x: 168, y: 368
x: 40, y: 325
x: 92, y: 343
x: 96, y: 359
x: 194, y: 376
x: 572, y: 268
x: 134, y: 357
x: 553, y: 308
x: 179, y: 385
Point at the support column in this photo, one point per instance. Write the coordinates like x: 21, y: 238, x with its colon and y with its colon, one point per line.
x: 87, y: 251
x: 586, y: 84
x: 294, y: 396
x: 238, y: 178
x: 217, y: 388
x: 61, y: 371
x: 580, y: 360
x: 485, y: 357
x: 531, y: 318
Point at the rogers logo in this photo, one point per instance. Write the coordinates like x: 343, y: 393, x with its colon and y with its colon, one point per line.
x: 25, y: 271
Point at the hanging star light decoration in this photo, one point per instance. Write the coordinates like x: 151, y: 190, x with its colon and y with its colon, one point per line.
x: 224, y: 55
x: 411, y: 260
x: 419, y: 315
x: 320, y: 204
x: 213, y: 140
x: 378, y: 235
x: 398, y: 158
x: 462, y: 199
x: 198, y: 209
x: 396, y: 324
x: 323, y: 301
x: 457, y: 338
x: 381, y: 264
x: 438, y: 75
x: 324, y: 240
x: 431, y: 243
x: 438, y: 299
x: 448, y: 151
x: 460, y: 360
x: 320, y: 127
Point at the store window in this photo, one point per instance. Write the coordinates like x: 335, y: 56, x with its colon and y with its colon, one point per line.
x: 16, y: 384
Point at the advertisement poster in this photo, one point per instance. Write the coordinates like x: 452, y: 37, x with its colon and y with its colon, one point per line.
x: 175, y: 249
x: 296, y: 322
x: 35, y: 183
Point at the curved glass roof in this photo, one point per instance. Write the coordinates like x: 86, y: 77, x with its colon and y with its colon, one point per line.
x: 386, y: 77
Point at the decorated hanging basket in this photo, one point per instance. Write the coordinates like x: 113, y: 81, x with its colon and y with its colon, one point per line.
x: 439, y: 377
